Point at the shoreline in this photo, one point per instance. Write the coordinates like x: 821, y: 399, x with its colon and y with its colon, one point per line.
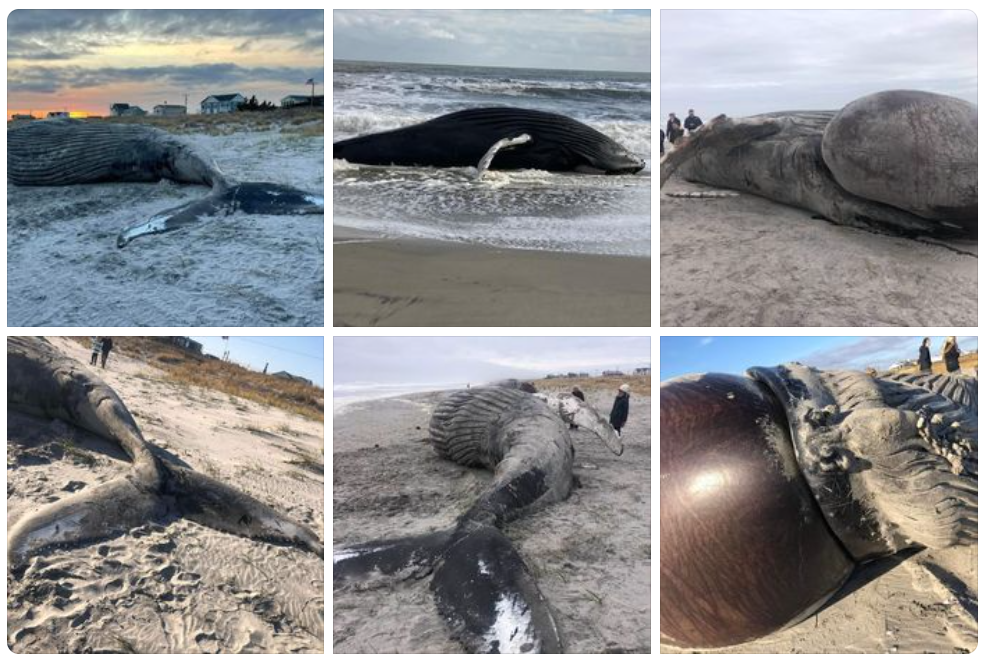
x: 417, y: 282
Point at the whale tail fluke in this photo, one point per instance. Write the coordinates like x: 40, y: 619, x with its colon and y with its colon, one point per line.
x: 489, y: 598
x: 481, y: 586
x: 97, y: 514
x: 405, y: 558
x: 210, y: 503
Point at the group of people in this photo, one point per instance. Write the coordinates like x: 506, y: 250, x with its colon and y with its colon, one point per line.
x: 677, y: 130
x: 101, y: 350
x: 950, y: 355
x: 620, y: 407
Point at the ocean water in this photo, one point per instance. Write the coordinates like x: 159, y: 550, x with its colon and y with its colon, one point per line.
x: 528, y: 209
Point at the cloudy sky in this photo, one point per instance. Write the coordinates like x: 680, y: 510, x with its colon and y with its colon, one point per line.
x: 747, y: 62
x: 616, y: 40
x: 685, y: 355
x: 85, y: 60
x: 444, y: 361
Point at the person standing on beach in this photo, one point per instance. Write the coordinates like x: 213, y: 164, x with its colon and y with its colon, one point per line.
x: 620, y: 409
x: 692, y: 122
x: 106, y: 347
x: 925, y: 356
x: 97, y: 348
x: 950, y: 354
x: 675, y: 131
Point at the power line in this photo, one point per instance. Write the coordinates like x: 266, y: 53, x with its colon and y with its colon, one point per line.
x: 288, y: 351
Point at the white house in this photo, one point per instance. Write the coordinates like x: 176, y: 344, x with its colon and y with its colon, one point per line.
x: 221, y: 104
x: 169, y: 110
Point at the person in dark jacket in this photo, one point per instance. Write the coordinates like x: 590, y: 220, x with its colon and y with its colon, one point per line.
x: 620, y: 409
x: 675, y: 131
x: 950, y: 354
x: 578, y: 393
x: 925, y: 356
x: 107, y: 346
x: 692, y: 122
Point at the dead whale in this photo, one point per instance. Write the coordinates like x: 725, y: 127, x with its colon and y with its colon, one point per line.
x: 874, y: 164
x: 497, y: 138
x: 481, y: 585
x: 775, y: 488
x: 70, y: 151
x: 43, y: 382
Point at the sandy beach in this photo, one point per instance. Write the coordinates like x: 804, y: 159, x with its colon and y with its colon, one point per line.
x: 746, y: 261
x: 416, y: 282
x: 64, y: 268
x: 182, y: 587
x: 590, y: 553
x: 925, y: 603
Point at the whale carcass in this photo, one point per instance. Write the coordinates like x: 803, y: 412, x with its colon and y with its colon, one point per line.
x: 776, y: 486
x: 896, y: 161
x: 481, y: 585
x: 41, y: 381
x: 70, y: 151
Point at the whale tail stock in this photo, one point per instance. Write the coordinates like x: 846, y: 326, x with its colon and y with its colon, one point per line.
x: 481, y: 585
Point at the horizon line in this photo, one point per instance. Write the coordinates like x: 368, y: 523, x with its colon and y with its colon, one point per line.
x: 503, y: 67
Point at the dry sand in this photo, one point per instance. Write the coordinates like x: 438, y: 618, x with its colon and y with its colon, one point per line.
x: 926, y: 603
x: 417, y: 282
x: 747, y: 261
x: 590, y: 553
x: 182, y: 588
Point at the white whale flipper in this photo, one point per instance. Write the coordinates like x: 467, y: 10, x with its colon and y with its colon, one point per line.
x: 486, y: 160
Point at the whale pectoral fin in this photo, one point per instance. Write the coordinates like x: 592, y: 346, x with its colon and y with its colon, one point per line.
x: 101, y: 512
x: 402, y: 558
x: 213, y: 504
x: 489, y: 156
x: 487, y: 595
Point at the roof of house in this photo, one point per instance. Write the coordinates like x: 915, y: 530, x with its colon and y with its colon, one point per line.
x: 170, y: 106
x: 226, y: 97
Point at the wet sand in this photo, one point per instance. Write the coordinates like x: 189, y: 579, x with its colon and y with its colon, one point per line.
x: 746, y: 261
x: 181, y: 587
x: 590, y: 553
x: 415, y: 282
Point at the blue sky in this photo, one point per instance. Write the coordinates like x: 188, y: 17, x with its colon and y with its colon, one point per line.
x: 685, y: 355
x: 301, y: 356
x: 553, y: 39
x: 744, y: 62
x: 444, y: 361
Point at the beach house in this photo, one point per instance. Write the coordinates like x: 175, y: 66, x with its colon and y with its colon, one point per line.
x: 221, y: 104
x: 169, y: 110
x: 301, y: 101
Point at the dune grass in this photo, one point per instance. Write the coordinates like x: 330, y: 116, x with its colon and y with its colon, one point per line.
x: 968, y: 363
x: 638, y: 384
x: 187, y: 368
x: 301, y: 121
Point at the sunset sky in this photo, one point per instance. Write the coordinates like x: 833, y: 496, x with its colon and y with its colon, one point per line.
x: 86, y: 60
